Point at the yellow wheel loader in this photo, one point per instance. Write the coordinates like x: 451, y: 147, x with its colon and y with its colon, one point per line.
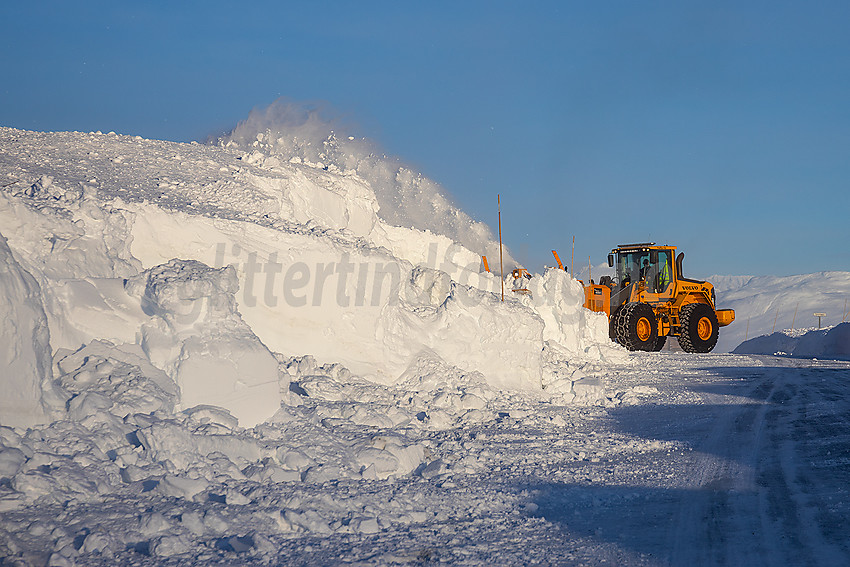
x: 649, y: 299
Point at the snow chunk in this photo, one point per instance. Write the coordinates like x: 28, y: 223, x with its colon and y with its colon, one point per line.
x: 121, y: 378
x: 11, y: 460
x: 168, y: 546
x: 199, y: 338
x: 589, y: 390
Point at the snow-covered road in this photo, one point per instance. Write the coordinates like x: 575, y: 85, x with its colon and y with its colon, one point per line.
x: 754, y: 469
x: 695, y: 460
x: 770, y: 481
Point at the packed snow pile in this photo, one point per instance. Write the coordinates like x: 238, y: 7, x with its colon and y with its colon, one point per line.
x: 833, y: 342
x: 769, y: 304
x: 203, y: 263
x: 192, y: 325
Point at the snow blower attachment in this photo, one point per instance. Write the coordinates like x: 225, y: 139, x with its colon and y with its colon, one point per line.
x: 649, y: 299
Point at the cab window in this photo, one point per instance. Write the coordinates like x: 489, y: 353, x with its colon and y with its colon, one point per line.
x: 665, y: 269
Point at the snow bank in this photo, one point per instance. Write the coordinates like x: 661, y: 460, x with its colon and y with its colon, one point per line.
x: 25, y: 355
x: 833, y: 342
x: 559, y: 299
x: 372, y: 311
x: 313, y: 268
x: 242, y: 349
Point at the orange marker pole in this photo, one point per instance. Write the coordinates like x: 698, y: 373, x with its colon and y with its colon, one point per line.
x: 501, y: 265
x: 573, y: 257
x: 486, y: 265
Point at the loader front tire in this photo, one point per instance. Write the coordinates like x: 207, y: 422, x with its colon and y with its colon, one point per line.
x: 637, y: 328
x: 698, y: 328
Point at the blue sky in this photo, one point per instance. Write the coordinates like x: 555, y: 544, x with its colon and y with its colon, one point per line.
x: 720, y: 127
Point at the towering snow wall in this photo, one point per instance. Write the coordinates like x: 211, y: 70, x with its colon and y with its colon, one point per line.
x: 318, y: 270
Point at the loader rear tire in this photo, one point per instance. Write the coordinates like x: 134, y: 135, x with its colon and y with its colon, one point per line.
x: 637, y: 328
x: 698, y: 328
x: 612, y: 324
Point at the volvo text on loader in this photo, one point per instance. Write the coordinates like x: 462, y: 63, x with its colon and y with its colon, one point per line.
x: 649, y: 299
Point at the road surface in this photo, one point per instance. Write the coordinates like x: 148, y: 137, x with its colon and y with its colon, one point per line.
x: 752, y: 467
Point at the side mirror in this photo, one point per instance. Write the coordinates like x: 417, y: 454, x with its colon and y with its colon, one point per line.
x: 610, y: 260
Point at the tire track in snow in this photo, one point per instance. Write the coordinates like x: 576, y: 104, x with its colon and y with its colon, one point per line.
x: 722, y: 484
x: 809, y: 422
x: 762, y: 492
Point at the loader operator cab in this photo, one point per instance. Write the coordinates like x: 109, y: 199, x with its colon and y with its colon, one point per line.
x: 641, y: 263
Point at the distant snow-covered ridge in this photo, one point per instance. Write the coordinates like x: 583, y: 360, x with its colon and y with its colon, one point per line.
x: 316, y: 270
x: 833, y: 342
x: 767, y: 304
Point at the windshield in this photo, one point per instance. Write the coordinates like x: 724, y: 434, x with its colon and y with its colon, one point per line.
x: 651, y: 266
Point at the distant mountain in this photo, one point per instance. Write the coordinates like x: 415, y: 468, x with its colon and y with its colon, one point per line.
x: 766, y: 304
x: 820, y: 343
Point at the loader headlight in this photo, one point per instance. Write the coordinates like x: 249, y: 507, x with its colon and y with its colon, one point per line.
x: 713, y: 297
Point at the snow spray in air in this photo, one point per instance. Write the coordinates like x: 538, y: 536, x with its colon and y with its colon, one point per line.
x: 292, y: 131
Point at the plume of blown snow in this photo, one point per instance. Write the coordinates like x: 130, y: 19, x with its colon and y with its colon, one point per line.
x: 305, y: 133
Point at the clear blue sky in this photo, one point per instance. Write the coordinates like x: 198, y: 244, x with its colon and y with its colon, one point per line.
x: 721, y: 127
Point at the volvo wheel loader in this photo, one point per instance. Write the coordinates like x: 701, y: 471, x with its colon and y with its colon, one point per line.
x: 648, y: 299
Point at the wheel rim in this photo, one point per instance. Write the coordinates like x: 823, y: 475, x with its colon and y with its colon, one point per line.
x: 644, y: 329
x: 704, y: 329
